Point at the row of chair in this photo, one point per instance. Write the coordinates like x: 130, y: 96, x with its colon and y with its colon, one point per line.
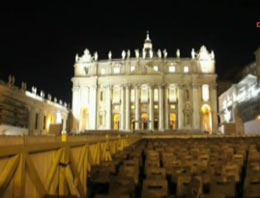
x: 226, y: 167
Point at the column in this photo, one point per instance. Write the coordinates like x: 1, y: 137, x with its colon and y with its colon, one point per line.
x: 137, y: 111
x: 108, y: 106
x: 75, y: 108
x: 180, y: 107
x: 122, y: 107
x: 93, y: 106
x: 161, y: 119
x: 127, y: 108
x: 64, y: 126
x: 151, y: 113
x: 196, y: 107
x: 166, y: 94
x: 214, y: 108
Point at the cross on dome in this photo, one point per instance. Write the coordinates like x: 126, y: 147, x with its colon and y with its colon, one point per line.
x: 147, y: 43
x: 147, y: 36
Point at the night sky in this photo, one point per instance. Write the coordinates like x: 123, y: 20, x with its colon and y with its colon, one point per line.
x: 39, y: 40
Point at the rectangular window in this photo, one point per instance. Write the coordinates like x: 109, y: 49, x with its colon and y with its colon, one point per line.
x: 173, y: 107
x: 172, y: 94
x: 116, y: 70
x: 186, y: 69
x: 36, y: 121
x: 156, y: 95
x: 103, y: 71
x: 172, y: 69
x: 132, y: 68
x: 144, y: 95
x: 155, y: 68
x: 116, y: 95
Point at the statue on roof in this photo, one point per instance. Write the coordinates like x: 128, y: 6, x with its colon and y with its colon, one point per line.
x: 159, y: 53
x: 137, y: 53
x: 11, y: 80
x: 34, y: 90
x: 95, y: 56
x: 123, y: 54
x: 144, y: 54
x: 109, y: 55
x: 42, y: 94
x: 193, y: 53
x: 165, y: 53
x: 178, y: 53
x: 49, y: 97
x: 128, y: 53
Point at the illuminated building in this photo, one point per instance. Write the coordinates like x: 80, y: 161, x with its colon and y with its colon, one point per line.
x: 242, y: 100
x: 148, y: 91
x: 22, y: 111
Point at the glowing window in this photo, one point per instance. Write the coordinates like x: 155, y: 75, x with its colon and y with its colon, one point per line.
x: 116, y: 70
x: 156, y: 95
x: 144, y: 94
x: 186, y: 69
x: 132, y: 68
x: 156, y: 106
x: 132, y: 107
x: 155, y: 68
x: 116, y: 95
x: 205, y: 92
x: 103, y: 71
x: 172, y: 94
x: 173, y: 107
x: 172, y: 69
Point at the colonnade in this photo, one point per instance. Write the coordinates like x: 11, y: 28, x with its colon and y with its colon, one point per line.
x: 125, y: 107
x: 186, y: 107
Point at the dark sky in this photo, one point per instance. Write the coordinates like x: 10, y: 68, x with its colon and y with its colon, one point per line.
x: 39, y: 40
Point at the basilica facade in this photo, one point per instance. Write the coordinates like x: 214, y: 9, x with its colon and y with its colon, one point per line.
x: 145, y: 90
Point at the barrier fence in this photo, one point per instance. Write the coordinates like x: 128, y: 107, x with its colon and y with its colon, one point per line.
x: 35, y: 167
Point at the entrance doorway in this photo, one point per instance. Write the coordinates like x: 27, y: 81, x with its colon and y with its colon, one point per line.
x: 156, y: 124
x: 144, y: 118
x: 173, y: 121
x: 132, y: 124
x: 206, y: 118
x: 116, y: 121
